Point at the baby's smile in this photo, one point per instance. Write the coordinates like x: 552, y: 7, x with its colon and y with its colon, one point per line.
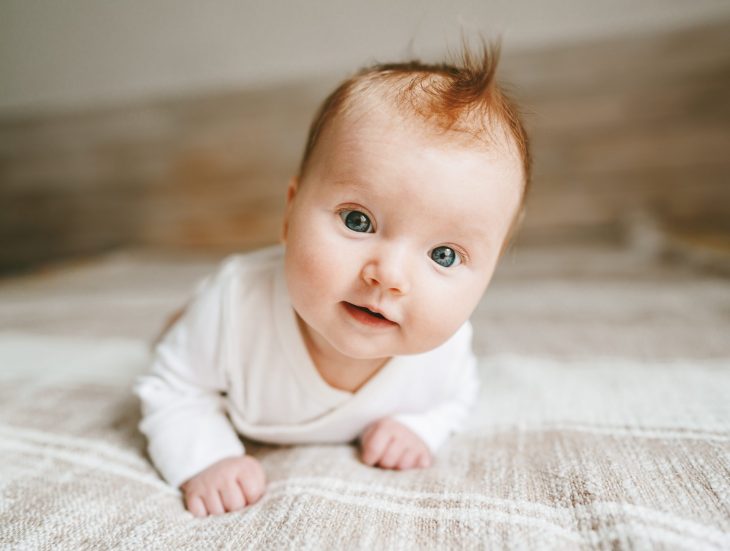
x: 368, y: 317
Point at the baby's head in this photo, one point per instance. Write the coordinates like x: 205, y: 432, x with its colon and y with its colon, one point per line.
x: 412, y: 182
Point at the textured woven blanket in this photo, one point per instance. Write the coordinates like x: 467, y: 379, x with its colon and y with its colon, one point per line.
x: 580, y: 454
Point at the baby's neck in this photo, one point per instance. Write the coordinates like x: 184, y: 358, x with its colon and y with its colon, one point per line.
x: 337, y: 370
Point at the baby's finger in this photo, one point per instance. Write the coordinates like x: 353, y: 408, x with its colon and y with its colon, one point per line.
x: 252, y: 489
x: 196, y: 506
x: 213, y: 502
x: 424, y: 460
x: 367, y: 432
x: 252, y: 481
x: 232, y: 497
x: 392, y: 454
x: 375, y: 446
x: 408, y: 459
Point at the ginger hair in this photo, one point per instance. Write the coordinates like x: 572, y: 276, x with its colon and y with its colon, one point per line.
x: 463, y: 97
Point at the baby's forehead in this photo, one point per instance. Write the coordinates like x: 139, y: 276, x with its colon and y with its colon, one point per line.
x: 383, y: 110
x: 364, y: 142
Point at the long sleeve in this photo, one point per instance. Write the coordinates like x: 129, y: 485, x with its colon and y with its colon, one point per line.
x: 460, y: 390
x: 182, y: 398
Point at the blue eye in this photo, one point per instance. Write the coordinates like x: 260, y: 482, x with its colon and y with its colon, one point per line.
x: 357, y: 221
x: 445, y: 256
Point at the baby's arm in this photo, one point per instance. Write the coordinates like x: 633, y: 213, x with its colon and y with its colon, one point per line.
x: 193, y: 444
x: 190, y: 438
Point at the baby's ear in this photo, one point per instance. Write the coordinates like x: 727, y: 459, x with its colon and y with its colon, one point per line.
x: 291, y: 191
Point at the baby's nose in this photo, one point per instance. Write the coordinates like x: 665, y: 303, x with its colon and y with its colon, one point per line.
x: 388, y: 272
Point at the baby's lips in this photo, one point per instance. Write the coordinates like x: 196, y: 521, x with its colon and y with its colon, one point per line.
x: 374, y: 310
x: 367, y: 316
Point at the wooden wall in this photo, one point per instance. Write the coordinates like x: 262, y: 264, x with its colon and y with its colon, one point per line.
x: 628, y: 130
x: 636, y: 128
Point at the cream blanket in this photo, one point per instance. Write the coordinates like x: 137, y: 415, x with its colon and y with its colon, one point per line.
x: 589, y: 454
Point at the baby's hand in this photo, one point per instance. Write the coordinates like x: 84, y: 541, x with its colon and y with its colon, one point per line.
x: 390, y: 445
x: 225, y: 486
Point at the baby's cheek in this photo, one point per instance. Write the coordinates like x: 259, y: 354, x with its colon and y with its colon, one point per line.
x: 318, y: 261
x: 430, y: 328
x: 436, y: 320
x: 301, y: 273
x: 312, y: 268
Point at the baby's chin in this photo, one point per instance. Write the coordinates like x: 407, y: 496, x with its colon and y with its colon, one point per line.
x: 395, y: 342
x: 361, y: 351
x: 369, y: 349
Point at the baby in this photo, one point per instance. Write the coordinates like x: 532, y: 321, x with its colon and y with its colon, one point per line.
x: 356, y: 328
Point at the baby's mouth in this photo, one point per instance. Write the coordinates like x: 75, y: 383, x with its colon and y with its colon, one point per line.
x: 367, y: 316
x: 369, y: 311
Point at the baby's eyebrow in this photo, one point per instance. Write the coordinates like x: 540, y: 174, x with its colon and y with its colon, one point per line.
x: 473, y: 235
x: 478, y: 231
x: 352, y: 182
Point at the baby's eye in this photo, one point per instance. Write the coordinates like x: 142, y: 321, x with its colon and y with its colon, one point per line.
x: 445, y: 256
x: 357, y: 221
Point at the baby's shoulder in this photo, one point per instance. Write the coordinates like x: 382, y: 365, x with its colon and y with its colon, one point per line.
x: 253, y: 262
x: 242, y: 275
x: 249, y: 266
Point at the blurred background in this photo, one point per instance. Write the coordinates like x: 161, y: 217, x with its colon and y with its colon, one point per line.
x: 149, y: 130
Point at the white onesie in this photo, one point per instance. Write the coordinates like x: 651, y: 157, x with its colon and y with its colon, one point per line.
x: 236, y: 363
